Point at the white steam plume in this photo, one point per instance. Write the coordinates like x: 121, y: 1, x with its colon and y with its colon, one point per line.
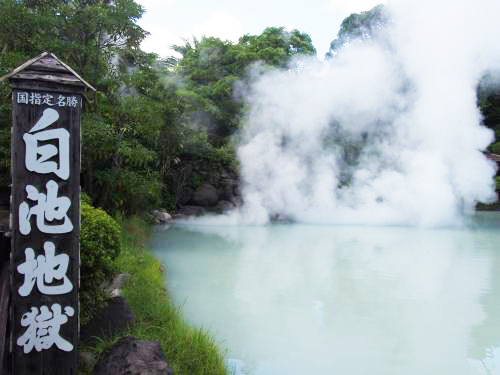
x: 388, y: 132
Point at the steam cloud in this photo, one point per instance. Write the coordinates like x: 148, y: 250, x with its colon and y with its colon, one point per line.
x: 388, y: 132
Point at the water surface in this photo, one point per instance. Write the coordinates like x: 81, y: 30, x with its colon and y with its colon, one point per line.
x: 322, y: 300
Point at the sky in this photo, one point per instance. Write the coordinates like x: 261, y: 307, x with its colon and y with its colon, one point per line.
x: 172, y: 21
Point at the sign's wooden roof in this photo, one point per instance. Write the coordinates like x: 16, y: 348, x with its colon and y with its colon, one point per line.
x: 48, y: 68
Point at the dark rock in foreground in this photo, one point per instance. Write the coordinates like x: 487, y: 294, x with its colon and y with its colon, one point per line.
x: 86, y: 361
x: 112, y: 319
x: 130, y: 356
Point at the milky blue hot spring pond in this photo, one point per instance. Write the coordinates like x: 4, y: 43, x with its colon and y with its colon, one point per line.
x: 347, y: 300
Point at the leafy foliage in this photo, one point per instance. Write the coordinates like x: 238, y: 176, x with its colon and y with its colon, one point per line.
x: 189, y: 351
x: 359, y: 26
x: 97, y: 38
x: 150, y: 118
x: 490, y: 107
x: 489, y: 103
x: 275, y: 46
x: 99, y: 247
x: 212, y: 70
x: 85, y: 34
x: 119, y: 159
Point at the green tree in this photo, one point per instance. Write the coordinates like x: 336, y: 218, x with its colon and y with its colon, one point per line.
x: 86, y: 34
x: 100, y: 40
x: 212, y: 68
x: 275, y: 46
x: 489, y: 102
x: 359, y: 26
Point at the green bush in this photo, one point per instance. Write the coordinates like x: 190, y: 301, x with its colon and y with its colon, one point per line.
x: 85, y: 198
x: 495, y: 148
x: 99, y: 246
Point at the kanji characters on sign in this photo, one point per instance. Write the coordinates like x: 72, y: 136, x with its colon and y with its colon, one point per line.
x: 44, y: 270
x: 48, y: 208
x: 38, y: 156
x: 47, y: 151
x: 43, y: 326
x: 44, y: 263
x: 36, y: 98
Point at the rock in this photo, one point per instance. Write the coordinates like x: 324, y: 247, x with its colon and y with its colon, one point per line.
x: 130, y: 356
x: 180, y: 217
x: 185, y: 196
x: 87, y: 361
x: 205, y: 196
x: 226, y: 190
x: 161, y: 216
x: 281, y: 219
x: 117, y: 284
x: 186, y: 211
x: 237, y: 190
x: 154, y: 220
x: 237, y: 201
x: 112, y: 319
x: 224, y: 206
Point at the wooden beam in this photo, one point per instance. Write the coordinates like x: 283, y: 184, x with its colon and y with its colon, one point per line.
x: 4, y: 312
x: 46, y: 62
x: 47, y: 100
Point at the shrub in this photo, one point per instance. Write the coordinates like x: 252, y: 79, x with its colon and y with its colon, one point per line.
x: 85, y: 198
x: 128, y: 192
x: 99, y: 246
x: 495, y: 147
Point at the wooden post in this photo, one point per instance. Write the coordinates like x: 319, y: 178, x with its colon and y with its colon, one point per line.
x: 47, y: 98
x: 4, y: 308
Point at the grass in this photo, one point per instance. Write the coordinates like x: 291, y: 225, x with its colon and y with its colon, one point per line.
x: 188, y: 350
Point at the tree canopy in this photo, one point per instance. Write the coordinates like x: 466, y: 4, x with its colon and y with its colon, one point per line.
x: 150, y: 117
x: 210, y: 69
x: 359, y: 26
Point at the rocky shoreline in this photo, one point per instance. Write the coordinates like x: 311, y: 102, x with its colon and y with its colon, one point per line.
x: 129, y: 354
x: 206, y: 189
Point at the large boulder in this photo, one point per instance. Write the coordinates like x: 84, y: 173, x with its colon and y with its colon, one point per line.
x: 116, y: 285
x: 112, y: 319
x: 187, y: 211
x: 86, y: 361
x: 226, y: 188
x: 130, y: 356
x: 237, y: 201
x: 224, y: 206
x: 161, y: 216
x: 185, y: 195
x: 205, y: 196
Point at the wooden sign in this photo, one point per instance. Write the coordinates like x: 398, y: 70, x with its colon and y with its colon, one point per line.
x: 45, y: 216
